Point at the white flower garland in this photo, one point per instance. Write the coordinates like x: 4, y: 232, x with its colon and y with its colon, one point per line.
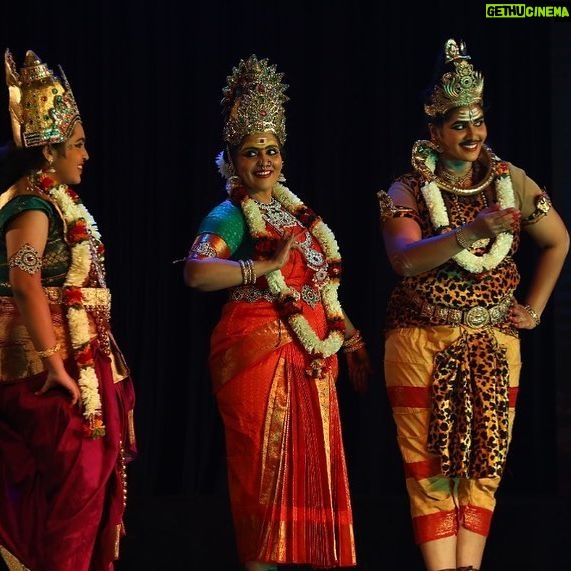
x: 78, y: 320
x: 311, y: 342
x: 439, y: 217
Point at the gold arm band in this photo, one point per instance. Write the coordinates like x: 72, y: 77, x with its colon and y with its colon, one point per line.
x: 49, y: 352
x: 27, y: 258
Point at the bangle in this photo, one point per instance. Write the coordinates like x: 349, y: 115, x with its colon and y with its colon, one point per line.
x: 461, y: 239
x: 533, y: 314
x: 248, y: 272
x: 253, y: 276
x: 49, y: 352
x: 354, y: 342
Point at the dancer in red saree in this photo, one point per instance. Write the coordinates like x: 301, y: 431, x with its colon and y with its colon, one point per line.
x: 273, y: 355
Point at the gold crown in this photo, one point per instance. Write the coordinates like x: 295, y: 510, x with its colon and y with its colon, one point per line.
x: 253, y: 101
x: 463, y: 86
x: 42, y: 106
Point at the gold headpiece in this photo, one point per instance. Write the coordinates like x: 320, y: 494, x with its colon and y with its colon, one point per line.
x: 253, y: 101
x: 463, y: 86
x: 42, y: 107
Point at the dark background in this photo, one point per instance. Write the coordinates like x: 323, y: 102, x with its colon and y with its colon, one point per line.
x: 148, y: 78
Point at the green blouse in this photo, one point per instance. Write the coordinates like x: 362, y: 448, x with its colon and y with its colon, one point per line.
x: 227, y: 221
x: 56, y: 258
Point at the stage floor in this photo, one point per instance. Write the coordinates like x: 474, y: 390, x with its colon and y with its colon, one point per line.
x: 187, y: 534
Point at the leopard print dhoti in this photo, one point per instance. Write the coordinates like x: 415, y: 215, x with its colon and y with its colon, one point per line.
x: 439, y: 503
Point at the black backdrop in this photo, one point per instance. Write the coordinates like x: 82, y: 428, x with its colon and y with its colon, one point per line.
x: 148, y: 79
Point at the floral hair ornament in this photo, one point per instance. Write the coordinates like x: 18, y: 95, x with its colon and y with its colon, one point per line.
x: 42, y: 106
x: 458, y: 88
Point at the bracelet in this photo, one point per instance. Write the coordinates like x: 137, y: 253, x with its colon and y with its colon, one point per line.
x: 533, y: 314
x: 461, y: 239
x: 353, y: 343
x: 49, y: 352
x: 248, y: 272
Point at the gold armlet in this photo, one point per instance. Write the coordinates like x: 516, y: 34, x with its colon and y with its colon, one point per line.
x: 27, y: 258
x: 542, y: 207
x: 386, y: 205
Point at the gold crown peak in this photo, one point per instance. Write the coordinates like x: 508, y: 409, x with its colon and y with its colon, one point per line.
x: 42, y: 107
x: 252, y: 101
x: 462, y: 87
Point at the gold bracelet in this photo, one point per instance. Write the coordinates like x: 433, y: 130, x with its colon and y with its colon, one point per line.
x: 533, y: 314
x: 459, y: 234
x: 353, y: 343
x: 248, y: 272
x: 243, y: 270
x: 49, y: 352
x: 251, y: 271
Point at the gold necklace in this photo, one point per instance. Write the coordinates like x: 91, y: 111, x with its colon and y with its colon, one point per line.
x: 424, y: 159
x: 462, y: 181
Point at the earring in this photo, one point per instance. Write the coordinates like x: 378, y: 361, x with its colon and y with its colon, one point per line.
x: 232, y: 183
x: 50, y: 166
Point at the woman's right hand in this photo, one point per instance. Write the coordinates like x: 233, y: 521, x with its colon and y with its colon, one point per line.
x: 283, y: 249
x: 61, y: 380
x: 494, y: 220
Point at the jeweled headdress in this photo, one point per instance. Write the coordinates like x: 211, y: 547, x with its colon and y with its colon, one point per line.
x: 253, y: 101
x: 463, y: 86
x: 42, y: 106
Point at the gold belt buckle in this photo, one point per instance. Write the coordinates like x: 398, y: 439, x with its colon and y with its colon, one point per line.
x: 477, y: 317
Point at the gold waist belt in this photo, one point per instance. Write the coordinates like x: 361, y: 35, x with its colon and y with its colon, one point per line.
x: 93, y: 297
x: 18, y: 357
x: 476, y: 316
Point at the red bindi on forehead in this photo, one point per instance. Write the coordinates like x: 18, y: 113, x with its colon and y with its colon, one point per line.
x: 259, y: 140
